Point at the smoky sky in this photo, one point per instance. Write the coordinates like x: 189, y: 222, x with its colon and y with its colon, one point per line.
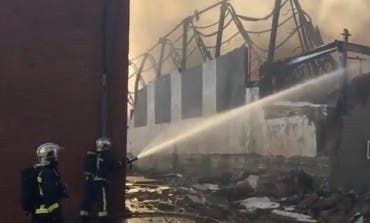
x: 152, y: 19
x: 149, y: 20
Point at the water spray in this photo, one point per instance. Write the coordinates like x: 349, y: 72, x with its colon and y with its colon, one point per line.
x: 229, y: 115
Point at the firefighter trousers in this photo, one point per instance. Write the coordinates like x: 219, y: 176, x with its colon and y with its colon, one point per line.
x: 53, y: 217
x: 95, y: 193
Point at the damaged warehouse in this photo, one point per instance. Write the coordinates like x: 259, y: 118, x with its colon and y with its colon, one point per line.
x: 249, y: 137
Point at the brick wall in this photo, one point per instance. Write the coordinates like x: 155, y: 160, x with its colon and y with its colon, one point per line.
x: 50, y: 90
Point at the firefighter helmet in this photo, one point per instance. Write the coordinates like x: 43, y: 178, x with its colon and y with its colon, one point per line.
x: 103, y: 143
x: 48, y: 152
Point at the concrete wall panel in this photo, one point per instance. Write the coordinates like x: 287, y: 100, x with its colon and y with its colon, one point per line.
x: 209, y: 88
x: 231, y: 73
x: 191, y: 93
x: 151, y: 104
x: 141, y: 108
x: 176, y: 101
x: 163, y: 99
x: 250, y: 134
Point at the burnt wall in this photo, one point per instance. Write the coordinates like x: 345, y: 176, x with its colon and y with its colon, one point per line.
x: 200, y: 165
x: 350, y: 162
x: 50, y: 89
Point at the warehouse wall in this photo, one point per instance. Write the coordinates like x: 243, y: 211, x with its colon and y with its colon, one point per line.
x: 251, y: 134
x: 213, y: 87
x: 350, y: 161
x: 50, y: 75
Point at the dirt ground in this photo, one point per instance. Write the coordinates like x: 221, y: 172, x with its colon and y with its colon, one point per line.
x: 159, y: 220
x: 244, y: 197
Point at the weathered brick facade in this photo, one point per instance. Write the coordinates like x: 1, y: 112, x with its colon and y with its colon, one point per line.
x: 50, y: 89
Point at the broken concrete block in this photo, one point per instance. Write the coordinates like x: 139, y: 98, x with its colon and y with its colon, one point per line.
x: 290, y: 208
x: 166, y: 206
x: 253, y: 181
x: 205, y: 187
x: 195, y: 199
x: 328, y: 203
x: 213, y: 212
x: 266, y: 185
x: 308, y: 201
x: 259, y: 203
x: 291, y: 216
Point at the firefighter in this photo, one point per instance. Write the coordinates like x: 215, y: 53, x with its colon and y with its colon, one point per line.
x: 99, y: 164
x: 51, y: 189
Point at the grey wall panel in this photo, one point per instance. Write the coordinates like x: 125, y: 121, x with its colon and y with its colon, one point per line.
x: 209, y: 88
x: 163, y: 99
x: 191, y: 90
x: 175, y: 96
x: 151, y: 104
x: 231, y: 72
x: 141, y: 108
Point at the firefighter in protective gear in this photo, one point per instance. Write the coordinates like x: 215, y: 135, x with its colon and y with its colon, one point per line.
x: 99, y: 164
x: 50, y: 186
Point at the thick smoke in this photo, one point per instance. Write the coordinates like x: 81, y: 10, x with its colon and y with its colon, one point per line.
x: 151, y: 19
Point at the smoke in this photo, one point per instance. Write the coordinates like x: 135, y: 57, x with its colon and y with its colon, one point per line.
x: 151, y: 20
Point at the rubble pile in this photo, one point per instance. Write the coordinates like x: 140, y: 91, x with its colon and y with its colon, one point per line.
x: 247, y: 197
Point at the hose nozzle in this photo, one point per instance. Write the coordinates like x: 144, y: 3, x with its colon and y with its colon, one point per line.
x: 130, y: 159
x: 133, y: 159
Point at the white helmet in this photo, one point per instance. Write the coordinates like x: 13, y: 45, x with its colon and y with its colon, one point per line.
x: 103, y: 143
x: 48, y: 152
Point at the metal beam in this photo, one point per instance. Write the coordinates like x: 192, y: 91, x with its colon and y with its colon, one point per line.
x: 303, y: 47
x: 138, y: 76
x: 343, y: 85
x: 242, y: 31
x: 309, y: 57
x: 273, y: 34
x: 344, y: 52
x: 357, y: 48
x: 303, y: 24
x: 185, y: 26
x: 160, y: 61
x: 221, y: 23
x: 201, y: 46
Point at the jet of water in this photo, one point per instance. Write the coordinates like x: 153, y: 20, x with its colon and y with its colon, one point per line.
x: 211, y: 122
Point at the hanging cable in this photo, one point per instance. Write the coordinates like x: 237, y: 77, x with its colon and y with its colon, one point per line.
x: 191, y: 52
x: 154, y: 64
x: 187, y: 44
x: 177, y: 38
x: 206, y: 27
x: 166, y: 57
x: 215, y: 33
x: 258, y: 47
x: 230, y: 38
x: 133, y: 65
x: 269, y: 30
x: 148, y: 51
x: 225, y: 41
x: 287, y: 38
x: 132, y: 75
x: 252, y: 19
x: 211, y: 25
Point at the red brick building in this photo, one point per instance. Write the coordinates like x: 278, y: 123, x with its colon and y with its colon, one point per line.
x: 50, y: 89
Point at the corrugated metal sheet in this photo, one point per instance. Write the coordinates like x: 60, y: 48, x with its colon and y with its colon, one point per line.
x: 50, y: 90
